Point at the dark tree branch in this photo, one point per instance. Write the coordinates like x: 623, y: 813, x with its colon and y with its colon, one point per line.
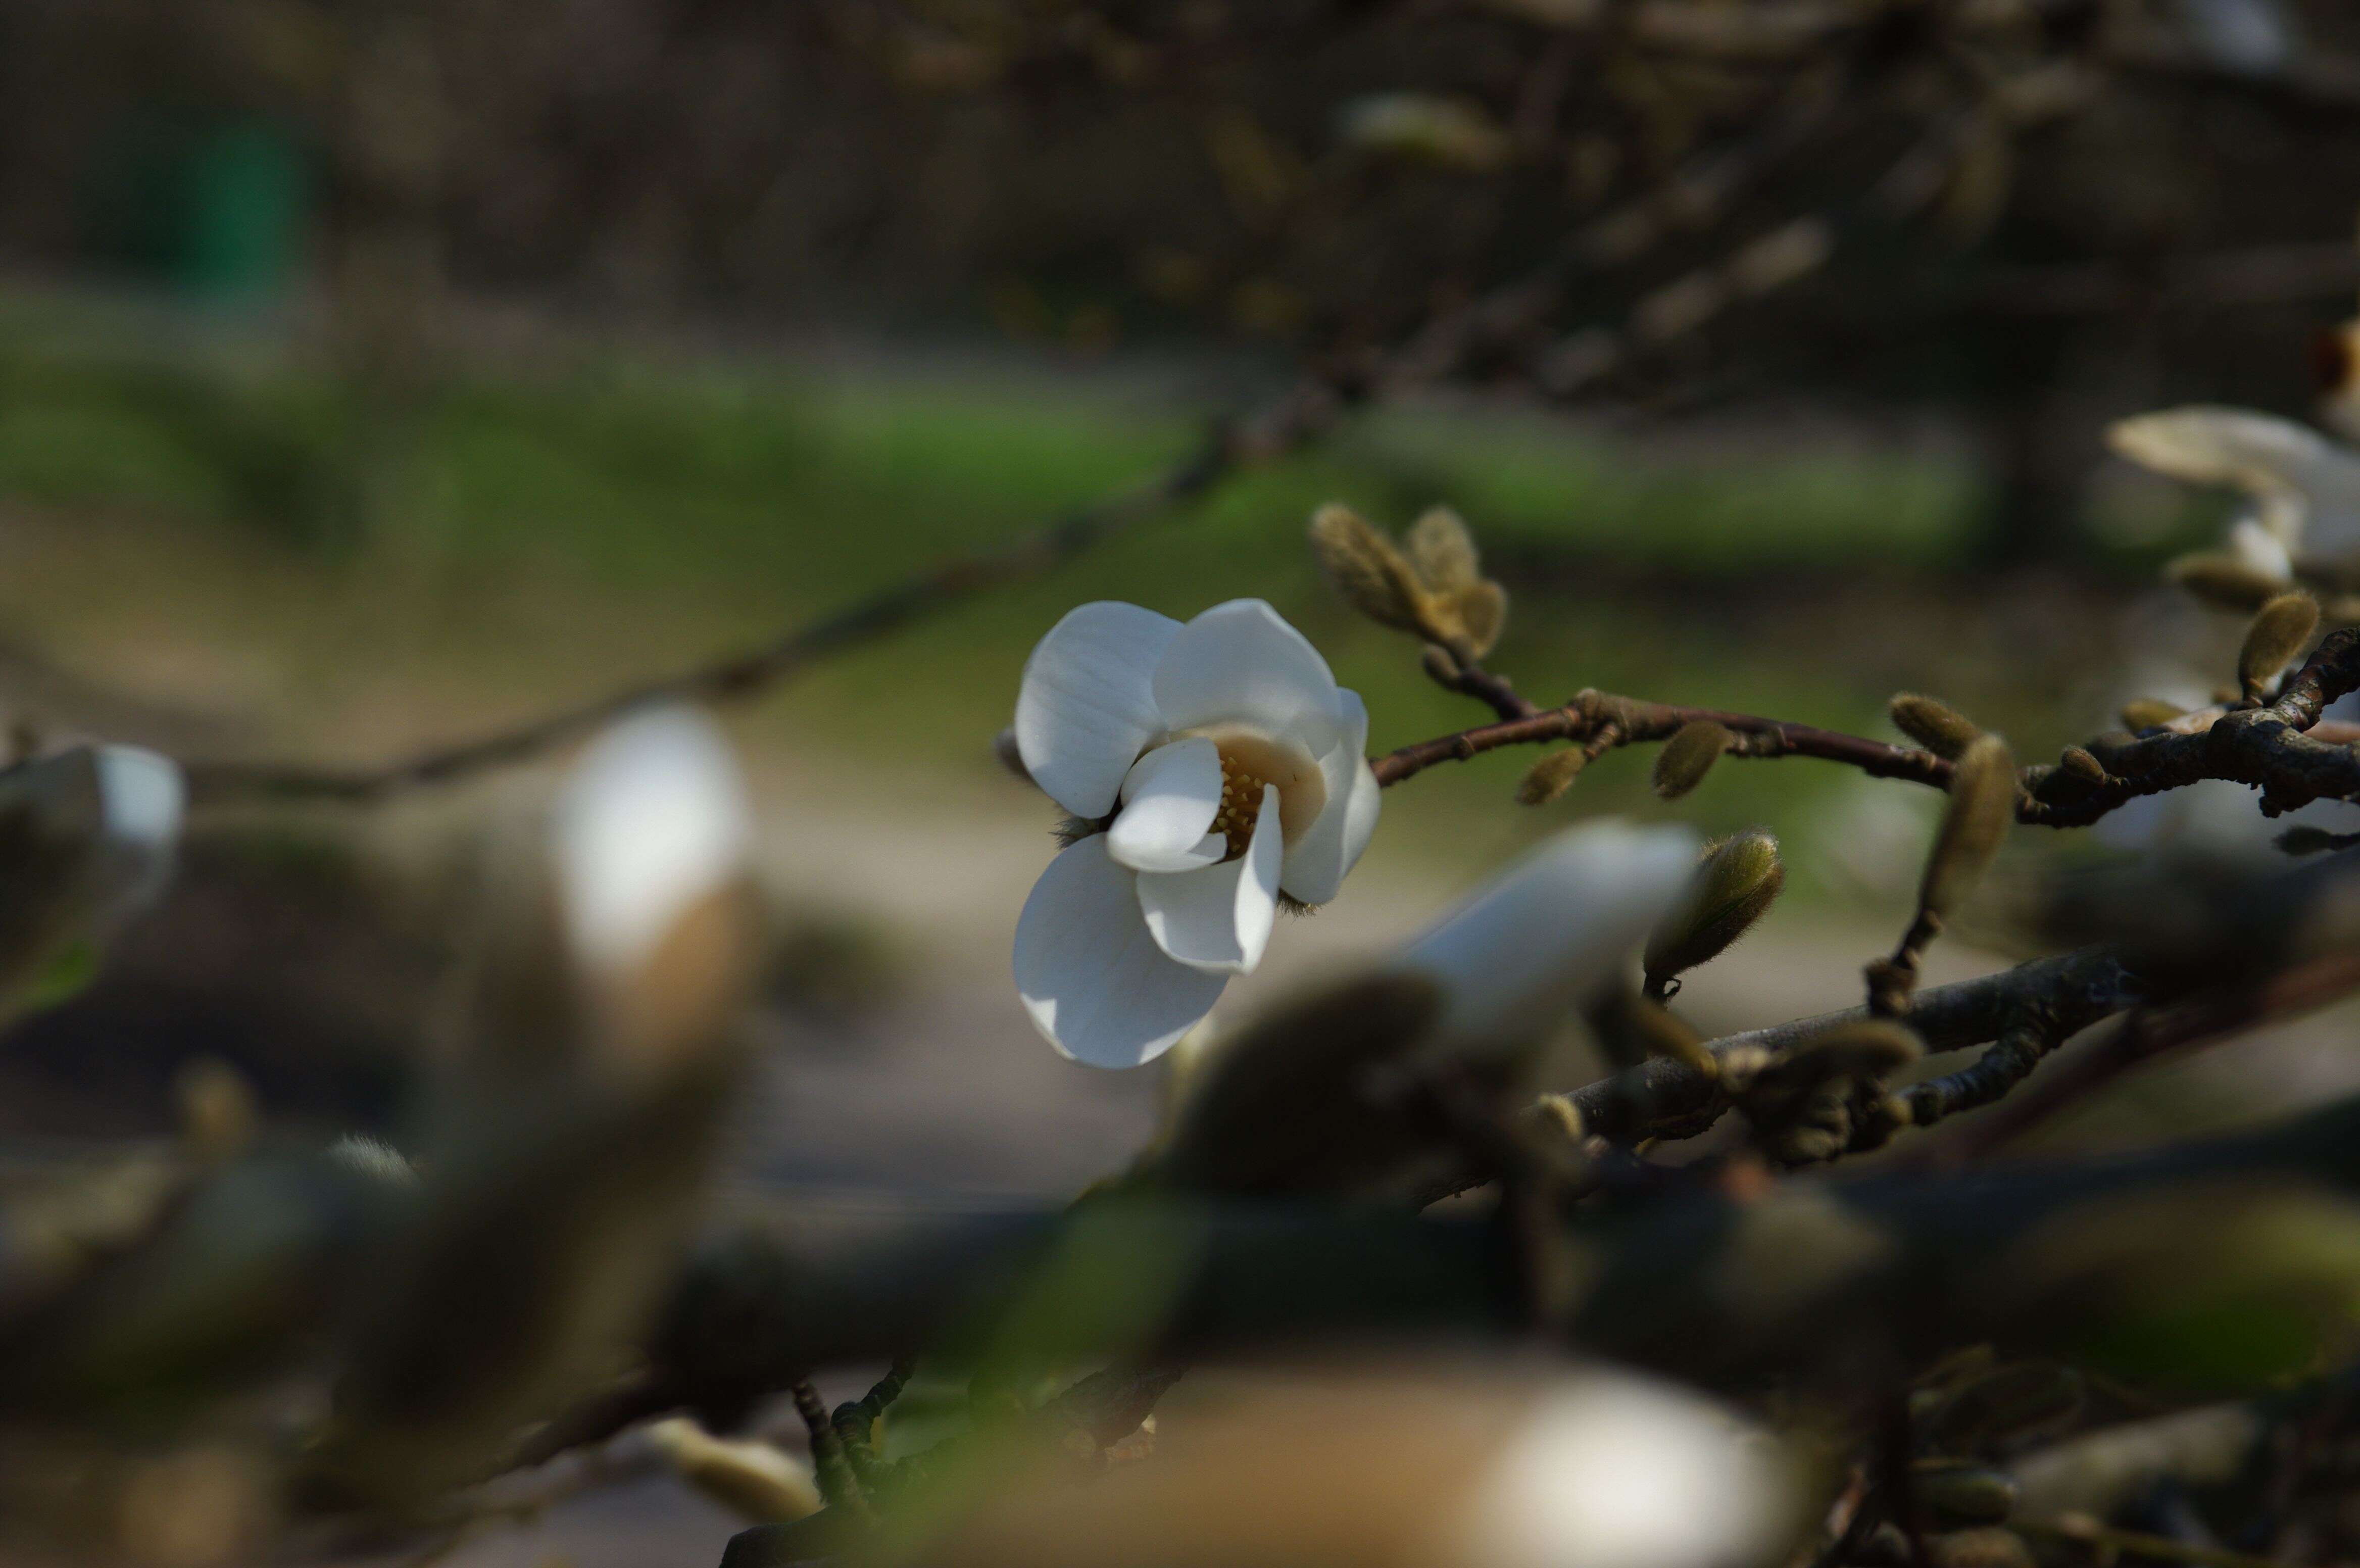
x: 1634, y: 721
x: 2270, y: 746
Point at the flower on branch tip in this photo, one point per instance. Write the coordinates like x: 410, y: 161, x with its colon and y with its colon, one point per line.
x: 1225, y: 767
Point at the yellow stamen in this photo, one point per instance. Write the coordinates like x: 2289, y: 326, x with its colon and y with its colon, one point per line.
x: 1240, y: 805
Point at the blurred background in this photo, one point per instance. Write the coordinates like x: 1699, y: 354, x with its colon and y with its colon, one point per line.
x: 380, y: 374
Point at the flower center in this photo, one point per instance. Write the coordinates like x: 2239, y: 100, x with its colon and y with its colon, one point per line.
x: 1251, y: 762
x: 1240, y: 805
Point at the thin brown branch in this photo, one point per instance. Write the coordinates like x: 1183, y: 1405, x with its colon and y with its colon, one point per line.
x: 2281, y: 747
x: 1293, y: 421
x: 1592, y: 712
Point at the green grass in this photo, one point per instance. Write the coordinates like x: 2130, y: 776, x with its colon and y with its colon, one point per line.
x: 718, y: 502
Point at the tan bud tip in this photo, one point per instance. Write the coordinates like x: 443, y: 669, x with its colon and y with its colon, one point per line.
x: 2078, y: 762
x: 2223, y: 581
x: 1443, y: 551
x: 1372, y: 574
x: 1483, y: 611
x: 2280, y: 632
x: 2149, y: 713
x: 1552, y: 777
x: 1983, y: 807
x: 1939, y: 727
x: 1688, y: 755
x: 1733, y: 889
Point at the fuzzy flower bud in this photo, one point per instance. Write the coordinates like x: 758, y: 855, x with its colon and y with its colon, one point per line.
x: 2278, y: 636
x: 1982, y: 807
x: 1688, y: 755
x: 1939, y: 727
x: 1733, y: 889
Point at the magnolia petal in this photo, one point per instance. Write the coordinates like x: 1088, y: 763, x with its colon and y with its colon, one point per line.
x: 653, y: 819
x: 1241, y: 663
x: 143, y: 798
x: 1545, y: 936
x: 1219, y: 919
x: 2308, y: 485
x: 2256, y: 544
x: 1092, y: 979
x: 1087, y: 707
x: 1317, y: 862
x: 1171, y: 797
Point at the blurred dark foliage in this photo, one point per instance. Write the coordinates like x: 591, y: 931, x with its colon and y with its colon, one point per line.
x: 2138, y: 203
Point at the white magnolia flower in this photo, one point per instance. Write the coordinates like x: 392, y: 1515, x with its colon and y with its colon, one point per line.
x: 1550, y: 932
x: 2305, y: 487
x: 652, y: 820
x: 1236, y: 764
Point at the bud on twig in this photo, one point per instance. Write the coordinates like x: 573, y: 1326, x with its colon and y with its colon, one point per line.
x: 2278, y: 634
x: 1688, y: 755
x: 1366, y: 568
x: 1983, y: 806
x: 1733, y: 889
x: 2149, y: 713
x: 2078, y: 762
x: 1482, y: 609
x: 1443, y: 551
x: 1552, y: 775
x: 1434, y: 590
x: 2223, y: 581
x: 1939, y: 727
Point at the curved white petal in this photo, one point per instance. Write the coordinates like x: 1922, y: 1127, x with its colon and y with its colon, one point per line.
x: 2256, y: 545
x: 1171, y: 797
x: 1092, y: 979
x: 142, y: 799
x: 1239, y: 661
x: 653, y: 818
x: 1219, y: 919
x: 2309, y: 486
x: 1544, y: 936
x: 1317, y: 862
x: 1088, y: 707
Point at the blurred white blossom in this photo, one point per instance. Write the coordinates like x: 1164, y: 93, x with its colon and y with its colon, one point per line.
x: 652, y: 819
x: 1237, y: 765
x: 1551, y: 931
x: 2304, y: 488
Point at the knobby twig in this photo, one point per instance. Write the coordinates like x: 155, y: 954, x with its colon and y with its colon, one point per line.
x: 2280, y: 747
x: 1632, y: 721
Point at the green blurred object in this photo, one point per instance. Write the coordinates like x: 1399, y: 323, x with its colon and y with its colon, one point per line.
x: 220, y: 208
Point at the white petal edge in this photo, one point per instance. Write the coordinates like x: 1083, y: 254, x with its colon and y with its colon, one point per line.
x: 2309, y: 487
x: 1611, y: 1470
x: 1087, y: 707
x: 1240, y: 662
x: 1170, y: 798
x: 652, y: 819
x: 1317, y: 862
x: 2258, y: 545
x: 1219, y: 919
x: 1545, y: 935
x: 143, y: 798
x: 1092, y: 979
